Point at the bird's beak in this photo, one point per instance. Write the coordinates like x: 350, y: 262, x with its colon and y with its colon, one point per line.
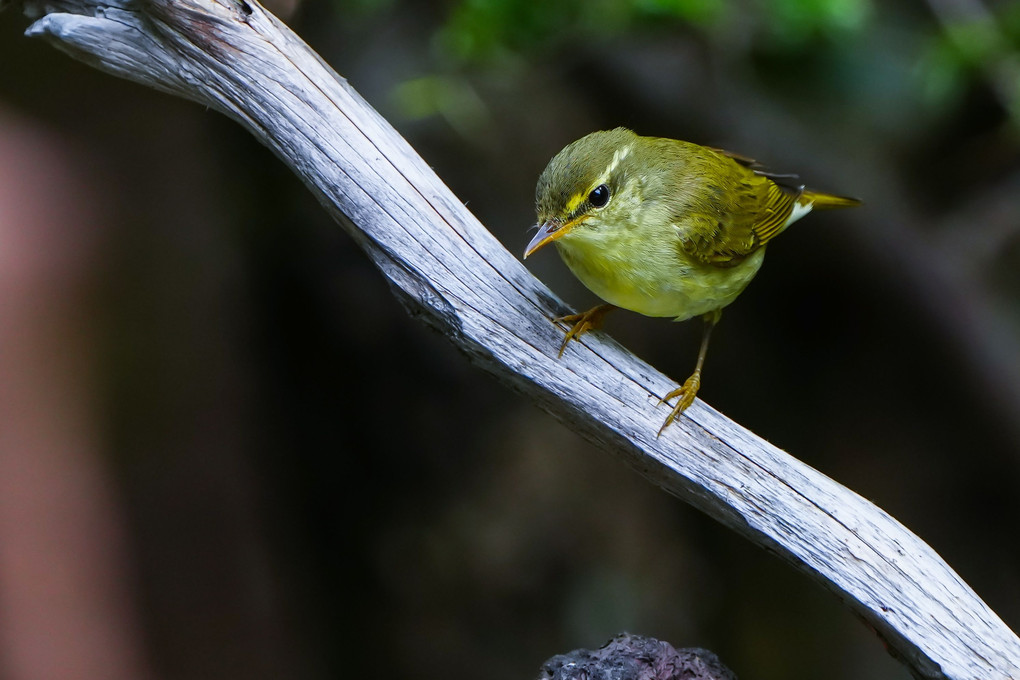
x: 548, y: 231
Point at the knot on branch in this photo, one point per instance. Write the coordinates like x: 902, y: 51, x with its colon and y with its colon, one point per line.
x: 635, y: 657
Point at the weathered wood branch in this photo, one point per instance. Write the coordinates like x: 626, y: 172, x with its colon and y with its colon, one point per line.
x: 449, y: 271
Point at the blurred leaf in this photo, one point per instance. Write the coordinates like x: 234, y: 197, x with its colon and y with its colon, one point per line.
x: 703, y: 12
x: 361, y: 6
x: 793, y: 21
x: 480, y: 30
x: 1009, y: 19
x: 449, y: 96
x: 976, y: 44
x: 942, y: 75
x: 977, y: 41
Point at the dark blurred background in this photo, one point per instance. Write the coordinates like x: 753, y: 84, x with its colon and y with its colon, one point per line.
x: 227, y: 452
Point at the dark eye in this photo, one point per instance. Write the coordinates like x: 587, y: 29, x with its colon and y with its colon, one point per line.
x: 599, y: 196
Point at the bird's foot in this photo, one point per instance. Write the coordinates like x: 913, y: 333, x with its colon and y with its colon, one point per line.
x: 685, y: 397
x: 582, y: 323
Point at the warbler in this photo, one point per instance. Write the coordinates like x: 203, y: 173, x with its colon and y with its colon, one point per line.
x: 664, y: 228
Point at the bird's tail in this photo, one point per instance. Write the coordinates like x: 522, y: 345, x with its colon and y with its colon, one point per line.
x: 821, y: 201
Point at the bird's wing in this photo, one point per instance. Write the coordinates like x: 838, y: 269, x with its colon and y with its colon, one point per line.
x: 788, y: 180
x: 723, y: 226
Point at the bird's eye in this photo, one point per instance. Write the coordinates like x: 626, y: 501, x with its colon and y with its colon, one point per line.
x: 599, y: 196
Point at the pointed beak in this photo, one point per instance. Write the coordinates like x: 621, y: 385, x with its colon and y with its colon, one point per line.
x: 548, y: 231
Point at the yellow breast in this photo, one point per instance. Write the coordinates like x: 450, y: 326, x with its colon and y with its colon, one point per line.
x: 651, y: 277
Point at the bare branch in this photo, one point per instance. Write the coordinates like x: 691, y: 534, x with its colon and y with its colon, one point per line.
x: 449, y: 271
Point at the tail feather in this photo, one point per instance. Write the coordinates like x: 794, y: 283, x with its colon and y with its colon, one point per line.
x: 820, y: 201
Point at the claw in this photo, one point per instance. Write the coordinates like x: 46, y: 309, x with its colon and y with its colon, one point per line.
x: 685, y: 394
x: 582, y: 323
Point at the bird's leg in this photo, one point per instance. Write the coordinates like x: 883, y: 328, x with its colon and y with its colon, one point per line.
x: 582, y: 323
x: 685, y: 393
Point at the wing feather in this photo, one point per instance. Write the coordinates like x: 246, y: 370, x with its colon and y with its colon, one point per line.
x: 722, y: 223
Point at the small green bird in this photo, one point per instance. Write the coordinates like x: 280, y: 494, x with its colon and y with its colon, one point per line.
x: 663, y: 228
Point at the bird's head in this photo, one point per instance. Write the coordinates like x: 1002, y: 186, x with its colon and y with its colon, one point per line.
x: 588, y: 187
